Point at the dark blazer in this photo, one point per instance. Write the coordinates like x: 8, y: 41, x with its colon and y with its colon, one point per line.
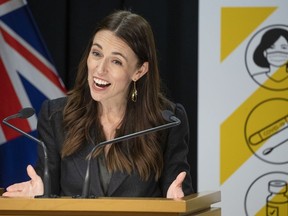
x: 67, y: 174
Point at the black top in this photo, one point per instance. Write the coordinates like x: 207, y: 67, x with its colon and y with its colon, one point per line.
x: 67, y: 174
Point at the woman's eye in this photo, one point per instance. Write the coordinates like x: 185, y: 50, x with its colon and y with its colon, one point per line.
x: 95, y: 53
x: 117, y: 62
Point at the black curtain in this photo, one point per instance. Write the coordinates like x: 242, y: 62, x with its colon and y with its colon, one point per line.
x: 66, y: 26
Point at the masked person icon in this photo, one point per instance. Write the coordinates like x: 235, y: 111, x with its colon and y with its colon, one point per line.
x: 272, y: 55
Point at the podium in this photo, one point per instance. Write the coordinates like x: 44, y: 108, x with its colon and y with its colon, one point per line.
x: 195, y: 204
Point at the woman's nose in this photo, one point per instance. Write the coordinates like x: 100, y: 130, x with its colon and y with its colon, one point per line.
x: 101, y: 66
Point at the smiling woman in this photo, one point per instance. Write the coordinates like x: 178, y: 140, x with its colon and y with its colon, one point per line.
x: 66, y: 27
x: 119, y: 63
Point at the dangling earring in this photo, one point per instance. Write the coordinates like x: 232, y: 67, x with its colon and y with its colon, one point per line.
x: 134, y: 93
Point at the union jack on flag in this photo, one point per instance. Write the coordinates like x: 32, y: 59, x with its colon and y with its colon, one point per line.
x: 27, y: 78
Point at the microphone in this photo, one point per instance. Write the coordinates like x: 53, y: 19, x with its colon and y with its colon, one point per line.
x: 167, y: 115
x: 24, y: 114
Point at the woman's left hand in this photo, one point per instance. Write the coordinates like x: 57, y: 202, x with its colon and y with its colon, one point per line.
x: 175, y: 189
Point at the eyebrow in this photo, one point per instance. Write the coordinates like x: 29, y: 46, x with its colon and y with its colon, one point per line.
x: 114, y: 53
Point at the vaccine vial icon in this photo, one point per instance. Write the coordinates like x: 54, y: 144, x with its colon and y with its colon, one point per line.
x: 277, y: 200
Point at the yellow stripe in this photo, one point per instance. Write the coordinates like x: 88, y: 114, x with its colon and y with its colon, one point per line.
x: 237, y: 23
x: 234, y: 140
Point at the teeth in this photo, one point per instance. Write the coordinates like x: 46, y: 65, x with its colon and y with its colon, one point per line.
x: 101, y: 82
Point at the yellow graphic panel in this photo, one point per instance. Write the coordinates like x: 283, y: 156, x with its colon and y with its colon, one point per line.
x: 256, y: 121
x: 237, y: 23
x: 233, y: 151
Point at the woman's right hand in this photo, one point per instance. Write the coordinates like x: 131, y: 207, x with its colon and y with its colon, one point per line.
x: 30, y: 188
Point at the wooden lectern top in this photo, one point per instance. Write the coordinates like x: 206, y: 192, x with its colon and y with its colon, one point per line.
x: 195, y: 204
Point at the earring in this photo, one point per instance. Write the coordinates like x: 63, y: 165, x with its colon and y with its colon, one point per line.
x: 134, y: 93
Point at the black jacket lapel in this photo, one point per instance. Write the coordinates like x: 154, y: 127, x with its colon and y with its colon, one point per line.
x: 117, y: 179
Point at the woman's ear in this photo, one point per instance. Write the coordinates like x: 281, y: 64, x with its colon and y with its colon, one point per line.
x: 141, y: 71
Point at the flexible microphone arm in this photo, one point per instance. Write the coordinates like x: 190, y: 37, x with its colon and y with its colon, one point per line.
x: 24, y: 114
x: 167, y: 115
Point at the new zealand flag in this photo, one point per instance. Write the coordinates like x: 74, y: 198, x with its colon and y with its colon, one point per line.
x: 27, y: 78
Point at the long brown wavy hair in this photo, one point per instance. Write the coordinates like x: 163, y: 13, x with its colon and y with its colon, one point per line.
x: 81, y: 115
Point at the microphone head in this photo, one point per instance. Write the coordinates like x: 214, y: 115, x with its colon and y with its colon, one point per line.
x: 167, y: 114
x: 26, y: 112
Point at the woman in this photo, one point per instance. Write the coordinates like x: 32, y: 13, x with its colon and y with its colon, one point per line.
x: 117, y: 92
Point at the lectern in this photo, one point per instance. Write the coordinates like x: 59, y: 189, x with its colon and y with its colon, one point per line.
x: 195, y: 204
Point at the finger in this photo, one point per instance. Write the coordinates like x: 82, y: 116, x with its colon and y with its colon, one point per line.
x: 180, y: 178
x: 31, y: 172
x: 12, y: 194
x: 17, y: 194
x: 16, y: 187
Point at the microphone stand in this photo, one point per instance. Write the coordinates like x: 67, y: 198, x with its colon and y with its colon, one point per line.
x: 86, y: 185
x: 46, y: 177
